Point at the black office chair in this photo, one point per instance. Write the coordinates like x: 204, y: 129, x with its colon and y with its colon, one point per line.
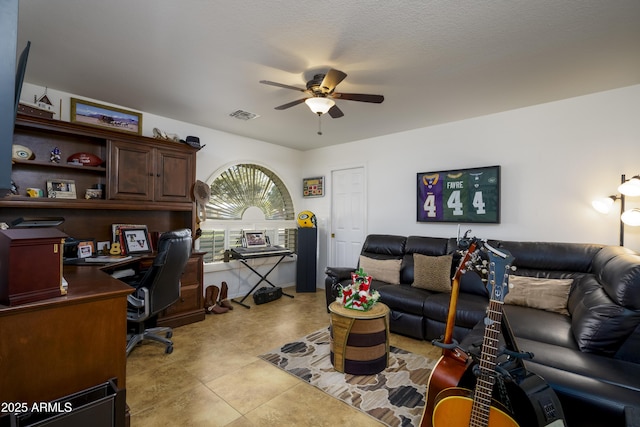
x: 156, y: 289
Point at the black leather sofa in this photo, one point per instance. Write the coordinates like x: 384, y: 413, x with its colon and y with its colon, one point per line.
x: 590, y: 356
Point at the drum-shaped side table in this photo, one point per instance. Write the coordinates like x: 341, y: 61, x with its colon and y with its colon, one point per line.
x: 359, y: 339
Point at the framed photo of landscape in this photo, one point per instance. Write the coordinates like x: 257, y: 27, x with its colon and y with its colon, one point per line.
x: 102, y: 116
x: 459, y: 195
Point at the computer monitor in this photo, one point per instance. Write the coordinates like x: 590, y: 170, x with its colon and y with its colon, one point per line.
x: 21, y: 69
x: 254, y: 239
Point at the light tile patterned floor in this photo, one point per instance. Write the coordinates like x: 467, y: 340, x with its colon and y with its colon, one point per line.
x: 214, y: 377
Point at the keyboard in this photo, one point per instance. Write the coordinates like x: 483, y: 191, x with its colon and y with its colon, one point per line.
x: 259, y: 252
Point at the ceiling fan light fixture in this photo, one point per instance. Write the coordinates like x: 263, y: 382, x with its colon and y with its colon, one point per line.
x: 320, y: 105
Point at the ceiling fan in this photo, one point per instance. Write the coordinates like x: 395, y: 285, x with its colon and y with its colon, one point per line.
x: 321, y: 94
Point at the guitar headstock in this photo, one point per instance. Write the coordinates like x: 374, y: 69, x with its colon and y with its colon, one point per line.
x: 500, y: 265
x: 470, y: 255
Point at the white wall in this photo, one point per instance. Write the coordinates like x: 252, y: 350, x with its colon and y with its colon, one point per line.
x: 222, y: 150
x: 555, y: 158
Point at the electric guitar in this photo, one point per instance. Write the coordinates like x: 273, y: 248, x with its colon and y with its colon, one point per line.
x: 457, y: 406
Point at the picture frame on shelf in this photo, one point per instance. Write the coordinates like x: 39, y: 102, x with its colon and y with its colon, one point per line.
x: 136, y: 240
x: 93, y: 193
x: 86, y: 248
x: 116, y: 230
x: 102, y: 248
x: 106, y: 117
x: 61, y: 189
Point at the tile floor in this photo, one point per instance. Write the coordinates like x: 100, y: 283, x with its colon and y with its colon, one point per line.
x: 214, y: 377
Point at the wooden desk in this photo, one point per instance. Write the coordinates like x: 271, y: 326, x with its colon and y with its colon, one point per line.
x: 190, y: 306
x: 55, y: 347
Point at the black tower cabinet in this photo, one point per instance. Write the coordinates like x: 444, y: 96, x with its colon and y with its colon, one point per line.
x: 306, y: 267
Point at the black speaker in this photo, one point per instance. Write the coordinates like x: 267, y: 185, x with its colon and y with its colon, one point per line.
x: 266, y: 294
x: 306, y: 264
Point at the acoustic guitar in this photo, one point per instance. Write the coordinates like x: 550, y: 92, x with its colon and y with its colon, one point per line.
x: 454, y: 361
x: 456, y: 406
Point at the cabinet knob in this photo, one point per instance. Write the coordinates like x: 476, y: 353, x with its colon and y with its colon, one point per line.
x: 158, y: 175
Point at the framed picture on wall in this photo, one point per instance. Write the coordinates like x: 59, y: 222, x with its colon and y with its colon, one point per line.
x: 313, y: 187
x: 102, y: 116
x: 459, y: 195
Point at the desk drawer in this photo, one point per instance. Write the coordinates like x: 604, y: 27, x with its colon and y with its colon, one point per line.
x: 189, y: 301
x: 190, y: 307
x: 190, y: 275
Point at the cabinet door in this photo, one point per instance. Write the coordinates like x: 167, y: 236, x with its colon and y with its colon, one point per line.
x: 131, y: 171
x: 175, y: 174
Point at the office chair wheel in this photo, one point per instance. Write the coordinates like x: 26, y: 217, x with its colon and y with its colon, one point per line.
x: 169, y: 349
x: 169, y: 334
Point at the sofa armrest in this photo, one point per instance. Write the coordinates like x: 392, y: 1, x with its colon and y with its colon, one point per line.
x: 332, y: 282
x: 632, y: 416
x: 339, y: 273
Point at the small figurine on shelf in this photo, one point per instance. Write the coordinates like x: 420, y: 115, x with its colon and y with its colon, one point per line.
x: 55, y: 155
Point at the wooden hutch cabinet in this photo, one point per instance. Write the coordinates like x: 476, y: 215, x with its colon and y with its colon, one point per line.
x: 157, y: 175
x: 140, y: 171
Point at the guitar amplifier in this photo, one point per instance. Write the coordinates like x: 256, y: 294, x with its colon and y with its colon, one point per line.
x: 264, y: 294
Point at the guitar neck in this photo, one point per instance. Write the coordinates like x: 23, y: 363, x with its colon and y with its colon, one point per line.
x: 487, y: 365
x: 455, y: 290
x: 498, y: 283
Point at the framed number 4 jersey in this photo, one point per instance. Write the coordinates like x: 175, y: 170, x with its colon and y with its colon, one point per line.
x: 461, y: 195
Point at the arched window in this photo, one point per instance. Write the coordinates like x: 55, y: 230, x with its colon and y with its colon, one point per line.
x: 246, y: 196
x: 244, y: 186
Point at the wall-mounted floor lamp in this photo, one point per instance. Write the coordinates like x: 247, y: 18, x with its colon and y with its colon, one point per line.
x: 631, y: 217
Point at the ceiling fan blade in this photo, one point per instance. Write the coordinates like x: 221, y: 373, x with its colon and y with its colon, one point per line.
x: 331, y: 80
x: 267, y: 82
x: 335, y: 112
x: 290, y: 104
x: 377, y: 99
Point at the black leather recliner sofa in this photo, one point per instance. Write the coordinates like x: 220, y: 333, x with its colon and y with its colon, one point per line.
x: 590, y: 357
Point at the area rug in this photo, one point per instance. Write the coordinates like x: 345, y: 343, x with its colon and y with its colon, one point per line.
x: 395, y: 397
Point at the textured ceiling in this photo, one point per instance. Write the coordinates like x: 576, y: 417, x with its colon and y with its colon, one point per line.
x: 434, y: 61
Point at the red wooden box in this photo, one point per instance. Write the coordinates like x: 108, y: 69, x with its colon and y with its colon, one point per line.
x: 30, y: 264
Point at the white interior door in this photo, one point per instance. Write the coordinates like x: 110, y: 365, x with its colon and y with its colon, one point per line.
x: 348, y: 216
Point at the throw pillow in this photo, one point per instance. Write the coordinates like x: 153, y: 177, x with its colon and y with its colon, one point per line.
x: 384, y: 270
x: 432, y: 272
x: 534, y: 292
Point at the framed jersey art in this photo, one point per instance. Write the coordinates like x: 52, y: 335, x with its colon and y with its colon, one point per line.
x: 462, y: 195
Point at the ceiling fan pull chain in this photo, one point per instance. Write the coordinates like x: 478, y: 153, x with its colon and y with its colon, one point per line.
x: 319, y: 124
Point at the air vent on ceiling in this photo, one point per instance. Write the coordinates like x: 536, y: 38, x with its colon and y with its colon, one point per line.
x: 243, y: 115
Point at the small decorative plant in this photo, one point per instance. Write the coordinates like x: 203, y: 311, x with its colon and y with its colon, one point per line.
x: 358, y: 295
